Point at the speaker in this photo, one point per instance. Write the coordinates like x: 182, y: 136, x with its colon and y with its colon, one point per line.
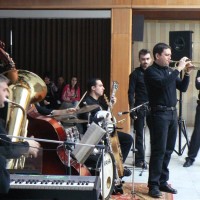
x: 138, y: 27
x: 181, y: 44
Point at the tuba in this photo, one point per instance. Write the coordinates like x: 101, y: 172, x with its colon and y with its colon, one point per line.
x: 28, y: 89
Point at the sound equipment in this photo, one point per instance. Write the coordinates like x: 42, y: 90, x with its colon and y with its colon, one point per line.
x: 45, y: 187
x: 181, y: 44
x: 138, y: 27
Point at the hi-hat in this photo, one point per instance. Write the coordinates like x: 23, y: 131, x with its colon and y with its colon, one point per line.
x: 87, y: 108
x: 74, y: 120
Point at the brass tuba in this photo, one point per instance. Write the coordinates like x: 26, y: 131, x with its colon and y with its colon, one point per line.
x: 29, y: 88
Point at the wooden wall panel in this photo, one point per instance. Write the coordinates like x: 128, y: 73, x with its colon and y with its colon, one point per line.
x: 64, y: 4
x: 158, y: 31
x: 165, y: 4
x: 121, y: 39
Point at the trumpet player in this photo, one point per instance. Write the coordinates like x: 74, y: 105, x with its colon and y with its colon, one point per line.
x: 162, y: 82
x: 10, y: 149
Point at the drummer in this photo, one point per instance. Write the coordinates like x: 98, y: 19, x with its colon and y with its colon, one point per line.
x: 55, y: 113
x: 95, y: 91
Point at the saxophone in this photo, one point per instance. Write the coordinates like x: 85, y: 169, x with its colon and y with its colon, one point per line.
x: 114, y: 140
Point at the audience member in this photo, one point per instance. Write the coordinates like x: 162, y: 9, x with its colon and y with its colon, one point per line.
x: 71, y: 94
x: 60, y: 86
x: 50, y: 99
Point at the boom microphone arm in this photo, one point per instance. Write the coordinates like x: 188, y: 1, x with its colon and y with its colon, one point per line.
x: 133, y: 109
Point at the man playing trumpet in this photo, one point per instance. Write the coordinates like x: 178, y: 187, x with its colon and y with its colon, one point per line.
x: 162, y: 82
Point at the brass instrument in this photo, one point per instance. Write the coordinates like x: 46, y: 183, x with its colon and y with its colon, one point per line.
x: 29, y: 88
x: 191, y: 67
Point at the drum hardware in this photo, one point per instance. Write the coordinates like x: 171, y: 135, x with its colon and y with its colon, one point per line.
x: 102, y: 147
x: 87, y: 108
x: 74, y: 120
x: 72, y: 134
x: 67, y: 146
x: 112, y: 180
x: 84, y: 109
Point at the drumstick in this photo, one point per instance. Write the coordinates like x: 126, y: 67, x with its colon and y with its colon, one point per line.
x: 81, y: 100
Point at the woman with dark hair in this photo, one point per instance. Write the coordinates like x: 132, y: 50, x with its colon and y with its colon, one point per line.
x: 71, y: 94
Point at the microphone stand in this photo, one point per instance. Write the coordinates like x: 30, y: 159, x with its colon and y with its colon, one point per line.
x: 135, y: 150
x: 144, y: 166
x: 133, y: 109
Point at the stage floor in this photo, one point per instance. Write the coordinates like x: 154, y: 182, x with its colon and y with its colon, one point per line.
x: 185, y: 180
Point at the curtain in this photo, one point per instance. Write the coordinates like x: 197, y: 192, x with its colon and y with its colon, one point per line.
x: 63, y: 47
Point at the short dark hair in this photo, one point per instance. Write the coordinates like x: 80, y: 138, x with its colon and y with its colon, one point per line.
x: 92, y: 82
x: 4, y: 79
x: 143, y: 52
x: 158, y: 48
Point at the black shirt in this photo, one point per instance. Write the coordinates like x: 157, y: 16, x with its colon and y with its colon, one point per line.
x: 91, y: 101
x: 197, y: 83
x: 161, y: 83
x: 137, y: 92
x: 10, y: 149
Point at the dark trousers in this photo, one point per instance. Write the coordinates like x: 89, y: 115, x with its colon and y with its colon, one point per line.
x: 126, y: 141
x: 195, y: 139
x: 163, y: 132
x: 4, y: 177
x: 141, y: 121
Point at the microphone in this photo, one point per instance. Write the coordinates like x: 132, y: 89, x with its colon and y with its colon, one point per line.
x: 123, y: 113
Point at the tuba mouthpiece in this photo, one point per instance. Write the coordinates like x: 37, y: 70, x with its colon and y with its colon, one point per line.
x: 8, y: 100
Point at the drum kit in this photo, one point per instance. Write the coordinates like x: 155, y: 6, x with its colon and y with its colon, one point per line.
x: 83, y: 149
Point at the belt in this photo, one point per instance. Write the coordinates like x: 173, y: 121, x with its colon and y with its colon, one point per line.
x: 162, y: 108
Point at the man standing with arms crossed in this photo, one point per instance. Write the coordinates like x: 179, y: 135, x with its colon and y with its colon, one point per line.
x: 137, y: 95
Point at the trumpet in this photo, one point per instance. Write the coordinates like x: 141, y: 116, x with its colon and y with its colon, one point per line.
x: 190, y: 67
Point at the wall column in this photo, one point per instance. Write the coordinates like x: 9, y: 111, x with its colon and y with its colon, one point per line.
x: 121, y: 42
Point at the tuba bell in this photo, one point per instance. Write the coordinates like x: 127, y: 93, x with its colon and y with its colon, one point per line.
x: 28, y: 89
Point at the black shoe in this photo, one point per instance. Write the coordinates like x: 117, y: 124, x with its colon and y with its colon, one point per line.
x: 154, y: 192
x: 141, y: 164
x: 127, y: 172
x: 168, y: 188
x: 188, y: 163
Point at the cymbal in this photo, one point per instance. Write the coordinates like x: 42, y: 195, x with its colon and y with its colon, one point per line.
x: 87, y: 108
x: 74, y: 120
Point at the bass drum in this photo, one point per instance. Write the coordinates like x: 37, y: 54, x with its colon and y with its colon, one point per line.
x: 109, y: 176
